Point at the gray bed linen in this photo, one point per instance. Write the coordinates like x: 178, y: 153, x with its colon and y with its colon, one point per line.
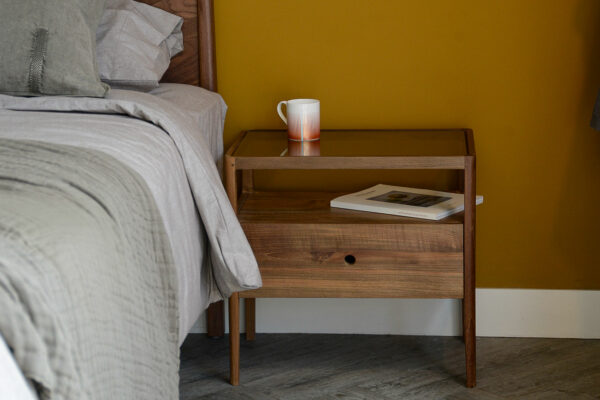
x: 234, y: 267
x: 206, y: 108
x: 135, y: 43
x: 150, y: 152
x: 88, y: 298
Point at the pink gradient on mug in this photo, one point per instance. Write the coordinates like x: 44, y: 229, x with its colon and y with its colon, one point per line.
x: 303, y: 119
x: 304, y: 127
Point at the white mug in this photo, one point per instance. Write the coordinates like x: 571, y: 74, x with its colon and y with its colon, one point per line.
x: 303, y: 119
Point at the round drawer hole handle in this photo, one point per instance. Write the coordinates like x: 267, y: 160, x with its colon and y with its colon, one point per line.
x: 350, y: 259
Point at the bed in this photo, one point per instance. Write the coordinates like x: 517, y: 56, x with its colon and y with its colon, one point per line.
x: 115, y: 230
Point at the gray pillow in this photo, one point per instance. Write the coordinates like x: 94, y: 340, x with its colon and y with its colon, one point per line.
x: 135, y: 43
x: 47, y: 47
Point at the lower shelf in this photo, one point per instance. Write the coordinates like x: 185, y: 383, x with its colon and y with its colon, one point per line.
x: 310, y: 207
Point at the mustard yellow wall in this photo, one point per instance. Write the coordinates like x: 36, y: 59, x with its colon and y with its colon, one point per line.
x: 523, y: 74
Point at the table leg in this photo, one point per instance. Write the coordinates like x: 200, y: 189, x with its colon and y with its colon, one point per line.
x: 469, y: 272
x: 234, y: 339
x: 250, y: 313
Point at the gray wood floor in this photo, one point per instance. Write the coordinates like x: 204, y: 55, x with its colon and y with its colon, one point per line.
x: 296, y: 366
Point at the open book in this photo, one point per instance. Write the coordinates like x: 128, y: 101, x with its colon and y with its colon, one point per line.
x: 404, y: 201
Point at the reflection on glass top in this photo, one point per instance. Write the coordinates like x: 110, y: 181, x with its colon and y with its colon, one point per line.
x: 364, y: 143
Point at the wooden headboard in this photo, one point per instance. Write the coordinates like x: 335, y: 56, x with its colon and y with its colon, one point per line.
x: 196, y: 65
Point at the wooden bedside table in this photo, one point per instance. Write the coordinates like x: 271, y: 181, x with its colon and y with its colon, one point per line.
x: 305, y: 248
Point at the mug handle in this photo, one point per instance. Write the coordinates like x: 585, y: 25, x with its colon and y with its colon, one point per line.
x: 280, y: 112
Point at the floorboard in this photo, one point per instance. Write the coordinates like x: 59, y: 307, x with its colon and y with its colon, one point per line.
x: 349, y: 367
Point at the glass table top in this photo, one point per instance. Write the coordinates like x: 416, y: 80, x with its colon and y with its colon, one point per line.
x: 355, y: 143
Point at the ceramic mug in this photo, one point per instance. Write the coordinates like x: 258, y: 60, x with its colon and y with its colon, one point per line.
x: 303, y: 119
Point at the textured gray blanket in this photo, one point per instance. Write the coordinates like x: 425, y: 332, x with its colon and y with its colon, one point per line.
x: 88, y: 297
x: 234, y: 267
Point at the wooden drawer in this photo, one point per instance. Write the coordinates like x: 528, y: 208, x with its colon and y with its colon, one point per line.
x: 419, y: 260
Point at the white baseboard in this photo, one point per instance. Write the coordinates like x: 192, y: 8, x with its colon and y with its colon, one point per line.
x: 500, y: 312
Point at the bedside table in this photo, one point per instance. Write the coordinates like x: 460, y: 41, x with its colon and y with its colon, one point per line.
x: 305, y: 248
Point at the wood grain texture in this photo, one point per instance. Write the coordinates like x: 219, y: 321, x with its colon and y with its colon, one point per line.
x: 310, y: 260
x: 443, y: 162
x: 305, y: 248
x: 469, y: 270
x: 206, y: 44
x: 247, y: 180
x: 390, y: 367
x: 304, y: 207
x: 301, y: 245
x: 470, y: 142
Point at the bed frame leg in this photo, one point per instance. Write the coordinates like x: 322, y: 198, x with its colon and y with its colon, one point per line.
x: 250, y: 314
x: 215, y: 320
